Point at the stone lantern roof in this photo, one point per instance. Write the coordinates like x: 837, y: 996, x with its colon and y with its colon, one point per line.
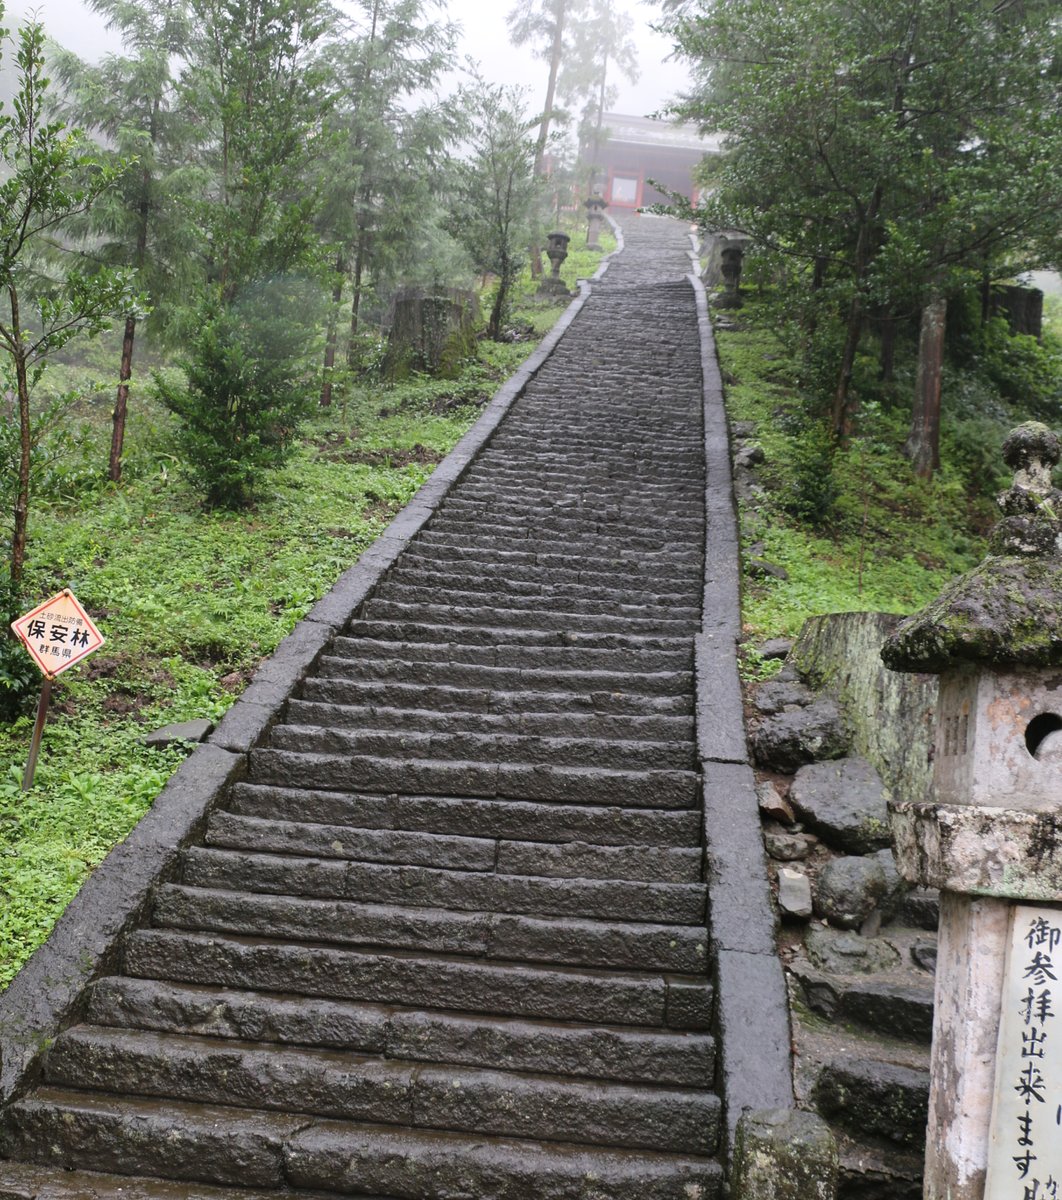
x: 1007, y: 611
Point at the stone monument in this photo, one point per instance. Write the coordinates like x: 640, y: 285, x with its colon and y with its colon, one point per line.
x: 595, y: 211
x: 556, y: 251
x: 989, y: 836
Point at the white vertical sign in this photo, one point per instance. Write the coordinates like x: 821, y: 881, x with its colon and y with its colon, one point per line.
x: 1025, y: 1145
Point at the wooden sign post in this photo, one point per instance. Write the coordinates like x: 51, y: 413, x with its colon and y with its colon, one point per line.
x: 58, y: 634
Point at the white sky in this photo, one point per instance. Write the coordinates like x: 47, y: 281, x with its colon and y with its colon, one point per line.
x: 74, y: 25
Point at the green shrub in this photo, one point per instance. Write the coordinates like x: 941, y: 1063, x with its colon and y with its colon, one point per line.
x: 245, y: 396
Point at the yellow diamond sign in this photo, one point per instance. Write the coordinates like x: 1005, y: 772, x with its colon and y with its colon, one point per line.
x: 58, y: 633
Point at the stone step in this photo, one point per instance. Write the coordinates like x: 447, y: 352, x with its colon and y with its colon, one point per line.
x: 548, y: 602
x: 629, y: 565
x: 547, y: 522
x: 422, y: 980
x: 33, y: 1181
x: 569, y: 860
x: 545, y: 639
x: 513, y: 819
x: 582, y: 725
x: 427, y: 887
x: 510, y: 781
x: 225, y: 1145
x: 520, y: 577
x: 897, y: 1004
x: 879, y: 1099
x: 329, y: 1083
x: 657, y: 550
x: 390, y: 610
x: 572, y: 942
x: 393, y: 669
x: 516, y: 471
x: 544, y: 587
x: 483, y: 700
x: 486, y: 747
x: 471, y: 498
x: 595, y: 1052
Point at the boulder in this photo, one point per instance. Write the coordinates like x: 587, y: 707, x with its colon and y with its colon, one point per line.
x: 845, y: 802
x: 788, y: 740
x: 849, y: 890
x: 185, y: 731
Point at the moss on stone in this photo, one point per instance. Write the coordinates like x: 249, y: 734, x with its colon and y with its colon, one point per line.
x: 1005, y: 612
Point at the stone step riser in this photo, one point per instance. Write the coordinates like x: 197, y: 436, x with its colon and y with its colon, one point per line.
x: 486, y: 576
x: 335, y: 716
x: 515, y: 820
x: 220, y: 1146
x: 596, y: 944
x: 393, y: 669
x: 484, y: 635
x: 578, y: 860
x: 548, y: 602
x: 388, y: 610
x: 204, y: 1071
x: 509, y: 781
x: 625, y: 1055
x: 422, y: 981
x: 492, y: 747
x: 629, y: 565
x: 429, y: 887
x: 545, y: 588
x: 483, y: 700
x: 504, y: 525
x: 26, y: 1181
x: 658, y: 552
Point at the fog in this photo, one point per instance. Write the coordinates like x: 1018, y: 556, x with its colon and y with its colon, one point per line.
x: 485, y: 39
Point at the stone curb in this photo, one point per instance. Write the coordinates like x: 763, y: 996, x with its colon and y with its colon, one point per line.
x: 752, y: 1005
x: 44, y: 997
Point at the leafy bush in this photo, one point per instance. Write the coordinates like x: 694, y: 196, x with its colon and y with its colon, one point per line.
x: 245, y: 397
x: 18, y: 676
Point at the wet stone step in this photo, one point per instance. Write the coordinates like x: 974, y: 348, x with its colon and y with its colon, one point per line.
x: 32, y: 1181
x: 483, y: 569
x: 573, y: 942
x: 499, y: 617
x: 422, y: 980
x: 514, y: 781
x: 487, y: 700
x: 443, y: 1166
x: 658, y: 549
x: 599, y: 1052
x: 582, y: 725
x: 490, y: 747
x: 224, y: 1145
x: 390, y: 1092
x: 656, y: 864
x: 462, y: 891
x: 502, y: 678
x: 416, y: 579
x: 519, y: 820
x: 467, y: 635
x: 628, y: 564
x: 549, y: 601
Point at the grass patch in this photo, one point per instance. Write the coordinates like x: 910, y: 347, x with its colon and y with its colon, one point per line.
x: 852, y: 528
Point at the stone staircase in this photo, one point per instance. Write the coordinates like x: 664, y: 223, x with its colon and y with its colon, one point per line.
x: 447, y: 940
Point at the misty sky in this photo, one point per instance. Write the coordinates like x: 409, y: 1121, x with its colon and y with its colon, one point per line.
x: 75, y: 26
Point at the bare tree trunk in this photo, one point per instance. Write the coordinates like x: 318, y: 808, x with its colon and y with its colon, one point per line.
x: 355, y: 303
x: 923, y: 443
x: 121, y: 403
x: 18, y: 540
x: 887, y: 361
x: 332, y: 337
x: 842, y: 416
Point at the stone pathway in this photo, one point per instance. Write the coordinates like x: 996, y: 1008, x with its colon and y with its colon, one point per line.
x: 447, y: 941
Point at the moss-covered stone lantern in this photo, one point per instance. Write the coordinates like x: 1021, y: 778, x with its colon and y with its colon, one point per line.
x: 990, y: 834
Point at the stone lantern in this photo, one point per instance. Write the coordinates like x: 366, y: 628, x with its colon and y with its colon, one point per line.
x: 556, y: 252
x: 990, y: 838
x: 595, y: 211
